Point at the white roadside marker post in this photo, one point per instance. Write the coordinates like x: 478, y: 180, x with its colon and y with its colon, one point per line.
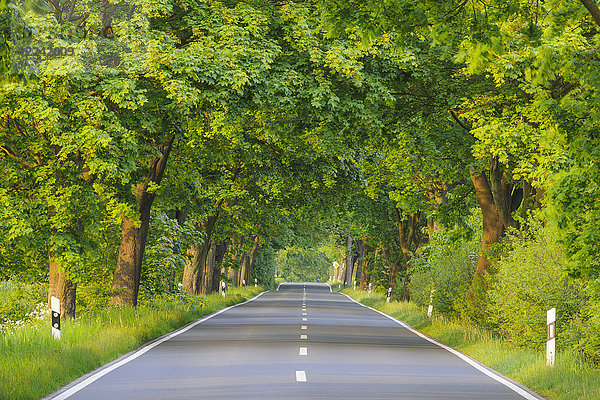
x: 551, y: 337
x: 389, y: 294
x: 55, y: 307
x: 223, y: 285
x: 255, y: 282
x: 354, y: 285
x: 243, y: 283
x: 430, y: 308
x: 370, y: 287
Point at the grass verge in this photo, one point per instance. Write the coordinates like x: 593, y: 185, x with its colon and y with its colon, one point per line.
x: 33, y: 364
x: 570, y: 379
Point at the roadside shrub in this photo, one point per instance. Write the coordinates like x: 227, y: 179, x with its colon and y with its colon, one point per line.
x: 264, y: 267
x: 166, y: 254
x: 584, y: 332
x: 531, y: 280
x: 20, y: 301
x: 446, y: 265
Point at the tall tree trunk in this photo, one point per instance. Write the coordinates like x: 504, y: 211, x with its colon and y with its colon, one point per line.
x: 253, y: 253
x: 349, y: 261
x: 209, y: 269
x: 502, y: 193
x: 180, y: 216
x: 592, y: 7
x: 341, y: 272
x: 360, y: 247
x: 492, y: 225
x: 61, y: 287
x: 195, y: 269
x: 409, y: 237
x: 365, y: 276
x: 245, y: 261
x: 126, y: 278
x: 233, y: 272
x: 191, y: 271
x: 220, y: 250
x: 394, y: 267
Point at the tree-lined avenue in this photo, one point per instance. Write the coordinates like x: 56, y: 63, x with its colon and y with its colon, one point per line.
x: 254, y: 351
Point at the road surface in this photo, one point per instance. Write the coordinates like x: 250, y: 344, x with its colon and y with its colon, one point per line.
x: 299, y: 342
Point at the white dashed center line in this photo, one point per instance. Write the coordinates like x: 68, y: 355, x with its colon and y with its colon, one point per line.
x: 304, y: 327
x: 300, y: 376
x: 303, y: 337
x: 303, y: 351
x: 304, y: 319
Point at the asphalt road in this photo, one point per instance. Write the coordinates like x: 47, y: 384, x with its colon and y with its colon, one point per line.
x: 300, y: 342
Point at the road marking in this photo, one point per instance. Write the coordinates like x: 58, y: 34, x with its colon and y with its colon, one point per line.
x: 303, y: 313
x: 304, y: 327
x: 303, y: 351
x: 303, y: 337
x: 94, y: 376
x: 474, y: 363
x: 304, y: 319
x: 300, y: 376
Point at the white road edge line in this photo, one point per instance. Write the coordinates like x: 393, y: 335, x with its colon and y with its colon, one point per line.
x: 464, y: 357
x: 91, y: 379
x: 300, y: 376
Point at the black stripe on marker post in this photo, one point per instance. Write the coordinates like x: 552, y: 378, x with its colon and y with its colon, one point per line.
x: 55, y: 308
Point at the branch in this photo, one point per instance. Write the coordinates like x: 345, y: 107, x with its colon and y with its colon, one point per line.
x: 458, y: 121
x: 593, y: 9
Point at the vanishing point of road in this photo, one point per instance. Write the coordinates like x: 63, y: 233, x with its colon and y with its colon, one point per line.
x: 299, y: 342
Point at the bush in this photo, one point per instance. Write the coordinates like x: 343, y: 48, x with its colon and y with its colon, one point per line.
x: 166, y: 254
x: 20, y: 301
x: 531, y: 280
x: 446, y: 265
x: 264, y: 267
x: 584, y: 331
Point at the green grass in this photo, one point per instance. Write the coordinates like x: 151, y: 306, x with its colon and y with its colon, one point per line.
x: 33, y: 364
x: 570, y: 379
